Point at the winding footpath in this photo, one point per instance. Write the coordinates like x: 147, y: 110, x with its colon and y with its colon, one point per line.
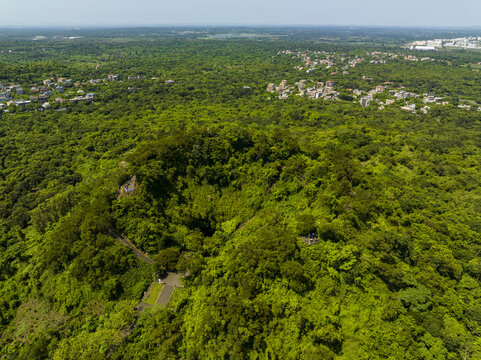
x: 124, y: 241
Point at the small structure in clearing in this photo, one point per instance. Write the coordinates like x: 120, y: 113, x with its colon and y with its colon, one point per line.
x: 128, y: 188
x: 310, y: 239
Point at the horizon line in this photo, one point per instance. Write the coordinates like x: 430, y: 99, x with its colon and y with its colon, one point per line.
x: 138, y: 26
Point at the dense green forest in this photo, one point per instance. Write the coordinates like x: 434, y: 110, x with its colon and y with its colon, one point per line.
x: 302, y: 228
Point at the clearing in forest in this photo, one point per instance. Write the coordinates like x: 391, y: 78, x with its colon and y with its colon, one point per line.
x: 153, y: 293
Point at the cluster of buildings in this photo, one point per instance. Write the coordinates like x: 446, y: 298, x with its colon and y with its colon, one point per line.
x: 416, y: 59
x: 7, y: 92
x: 470, y: 42
x: 397, y: 96
x: 316, y: 91
x: 469, y: 107
x: 368, y: 97
x: 283, y: 90
x: 313, y: 60
x: 339, y: 63
x: 57, y: 90
x: 51, y: 90
x: 110, y: 77
x: 378, y: 57
x: 406, y: 100
x: 316, y: 60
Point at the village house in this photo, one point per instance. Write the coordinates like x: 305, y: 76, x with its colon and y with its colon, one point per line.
x: 365, y: 101
x: 409, y: 107
x: 65, y: 81
x: 271, y: 87
x: 21, y: 102
x: 425, y: 109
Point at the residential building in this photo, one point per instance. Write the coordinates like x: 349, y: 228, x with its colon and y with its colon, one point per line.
x: 21, y: 102
x: 365, y: 101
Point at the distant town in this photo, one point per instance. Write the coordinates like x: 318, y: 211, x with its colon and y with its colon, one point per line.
x: 55, y: 90
x: 471, y: 42
x: 396, y: 97
x: 381, y: 95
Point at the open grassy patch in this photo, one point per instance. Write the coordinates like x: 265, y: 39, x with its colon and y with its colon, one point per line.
x: 154, y: 292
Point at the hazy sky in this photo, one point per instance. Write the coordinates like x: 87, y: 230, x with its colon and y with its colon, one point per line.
x: 240, y: 12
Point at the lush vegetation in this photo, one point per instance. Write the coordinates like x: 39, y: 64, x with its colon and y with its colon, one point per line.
x: 229, y: 183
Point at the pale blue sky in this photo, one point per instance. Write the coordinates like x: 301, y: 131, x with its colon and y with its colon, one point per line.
x: 240, y: 12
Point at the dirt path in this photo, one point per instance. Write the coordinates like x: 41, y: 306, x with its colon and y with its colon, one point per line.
x: 246, y: 222
x: 124, y: 241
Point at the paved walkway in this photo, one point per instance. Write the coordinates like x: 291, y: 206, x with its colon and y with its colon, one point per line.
x: 171, y: 282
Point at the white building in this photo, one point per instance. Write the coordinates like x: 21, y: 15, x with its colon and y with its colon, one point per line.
x: 365, y: 101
